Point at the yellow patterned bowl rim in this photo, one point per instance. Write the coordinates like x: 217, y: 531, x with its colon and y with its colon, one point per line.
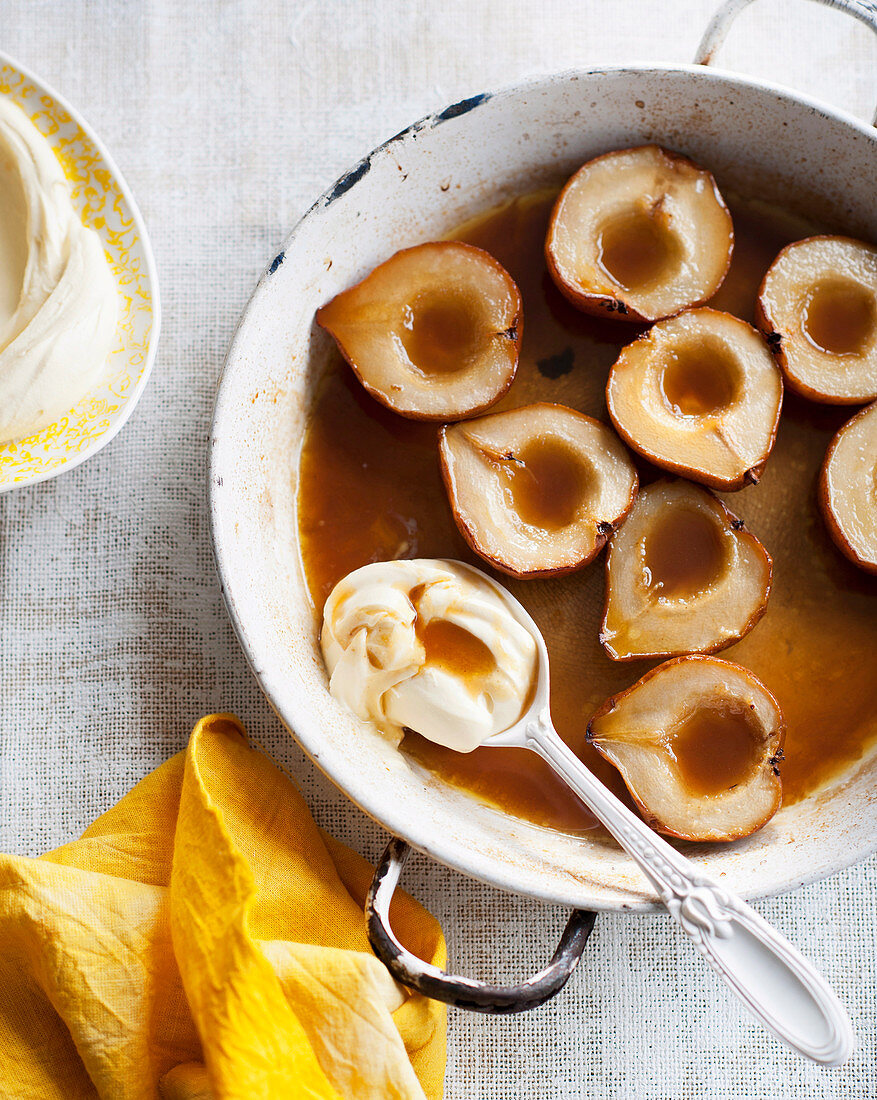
x: 105, y: 203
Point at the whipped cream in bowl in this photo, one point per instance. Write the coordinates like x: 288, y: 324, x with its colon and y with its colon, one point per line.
x: 58, y: 298
x: 79, y: 309
x: 429, y: 645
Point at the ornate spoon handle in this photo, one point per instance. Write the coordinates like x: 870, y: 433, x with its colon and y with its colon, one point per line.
x: 769, y: 975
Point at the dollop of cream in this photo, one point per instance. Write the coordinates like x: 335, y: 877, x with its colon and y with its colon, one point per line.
x: 58, y: 299
x: 427, y: 645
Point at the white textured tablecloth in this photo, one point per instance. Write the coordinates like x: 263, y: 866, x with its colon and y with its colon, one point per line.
x: 228, y: 119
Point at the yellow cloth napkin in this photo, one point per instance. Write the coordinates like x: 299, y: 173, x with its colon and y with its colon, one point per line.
x: 203, y: 939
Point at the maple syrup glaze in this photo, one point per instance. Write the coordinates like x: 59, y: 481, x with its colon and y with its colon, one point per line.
x: 684, y: 553
x: 699, y: 380
x: 455, y: 650
x: 716, y: 747
x: 548, y: 483
x: 370, y: 489
x: 839, y: 317
x: 440, y: 334
x: 635, y: 251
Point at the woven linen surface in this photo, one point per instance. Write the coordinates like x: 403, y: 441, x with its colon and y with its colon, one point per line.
x: 228, y: 119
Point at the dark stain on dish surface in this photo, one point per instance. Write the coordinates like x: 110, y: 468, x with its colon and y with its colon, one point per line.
x: 276, y: 262
x: 348, y: 180
x: 464, y: 106
x: 555, y: 366
x: 356, y: 174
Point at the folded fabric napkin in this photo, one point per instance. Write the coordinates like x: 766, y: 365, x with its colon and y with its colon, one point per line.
x: 204, y: 939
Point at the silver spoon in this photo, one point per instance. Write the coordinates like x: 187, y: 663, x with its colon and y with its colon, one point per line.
x: 770, y: 976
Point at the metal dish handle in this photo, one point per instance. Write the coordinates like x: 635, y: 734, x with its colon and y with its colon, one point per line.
x: 466, y: 993
x: 863, y: 10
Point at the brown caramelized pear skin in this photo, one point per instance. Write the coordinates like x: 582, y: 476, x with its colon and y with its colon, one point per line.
x: 829, y: 508
x: 778, y: 340
x: 748, y: 811
x: 548, y: 460
x: 690, y: 615
x: 374, y: 320
x: 620, y: 306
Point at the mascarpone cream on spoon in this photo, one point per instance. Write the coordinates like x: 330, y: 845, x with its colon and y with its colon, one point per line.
x: 58, y: 299
x: 428, y: 646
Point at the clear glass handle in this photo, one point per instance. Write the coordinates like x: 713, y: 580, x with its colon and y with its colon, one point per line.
x: 721, y: 22
x: 770, y: 976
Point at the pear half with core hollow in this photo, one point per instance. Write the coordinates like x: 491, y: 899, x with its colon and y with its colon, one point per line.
x: 639, y: 234
x: 536, y: 491
x: 818, y: 308
x: 698, y: 742
x: 848, y: 489
x: 698, y: 394
x: 433, y: 333
x: 683, y: 575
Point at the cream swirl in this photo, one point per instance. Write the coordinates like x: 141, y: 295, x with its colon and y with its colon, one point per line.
x: 427, y: 645
x: 58, y: 299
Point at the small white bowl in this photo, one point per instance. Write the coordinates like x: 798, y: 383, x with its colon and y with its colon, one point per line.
x: 105, y: 203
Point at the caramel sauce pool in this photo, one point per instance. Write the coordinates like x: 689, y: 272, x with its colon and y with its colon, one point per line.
x: 548, y: 483
x: 684, y: 552
x: 450, y: 647
x: 634, y: 251
x: 699, y: 381
x: 440, y: 334
x: 840, y: 318
x: 370, y: 489
x: 715, y: 748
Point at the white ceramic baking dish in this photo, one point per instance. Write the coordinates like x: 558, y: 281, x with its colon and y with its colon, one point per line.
x: 416, y: 187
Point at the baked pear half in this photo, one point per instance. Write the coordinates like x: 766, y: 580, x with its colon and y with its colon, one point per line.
x: 433, y: 333
x: 818, y: 308
x: 699, y: 394
x: 848, y: 489
x: 683, y: 575
x: 639, y: 234
x: 538, y: 490
x: 698, y: 741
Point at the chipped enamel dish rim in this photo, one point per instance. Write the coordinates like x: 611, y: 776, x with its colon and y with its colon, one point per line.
x: 105, y: 203
x: 417, y: 185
